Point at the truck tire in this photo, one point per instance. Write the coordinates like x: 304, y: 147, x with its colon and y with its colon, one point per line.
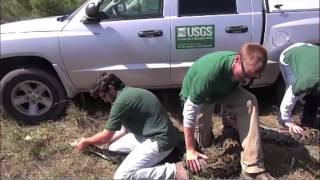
x: 32, y: 95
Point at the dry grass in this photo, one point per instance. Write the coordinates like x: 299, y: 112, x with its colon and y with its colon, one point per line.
x: 44, y: 151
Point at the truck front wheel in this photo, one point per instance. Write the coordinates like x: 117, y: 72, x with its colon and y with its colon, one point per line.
x: 32, y: 95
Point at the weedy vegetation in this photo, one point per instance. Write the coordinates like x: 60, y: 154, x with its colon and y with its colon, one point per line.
x: 45, y: 150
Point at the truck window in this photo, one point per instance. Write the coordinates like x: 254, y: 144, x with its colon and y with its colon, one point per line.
x: 130, y: 9
x: 292, y: 5
x: 205, y: 7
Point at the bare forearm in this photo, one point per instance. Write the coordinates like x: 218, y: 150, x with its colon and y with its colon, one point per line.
x: 118, y: 134
x: 189, y: 138
x: 100, y: 138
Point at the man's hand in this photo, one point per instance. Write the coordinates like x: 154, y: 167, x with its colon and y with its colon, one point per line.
x: 82, y: 145
x: 294, y: 128
x: 195, y: 161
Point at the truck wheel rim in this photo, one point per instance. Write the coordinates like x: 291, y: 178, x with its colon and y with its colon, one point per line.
x: 32, y: 98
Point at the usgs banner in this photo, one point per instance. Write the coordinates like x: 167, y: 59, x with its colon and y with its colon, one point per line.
x: 201, y: 36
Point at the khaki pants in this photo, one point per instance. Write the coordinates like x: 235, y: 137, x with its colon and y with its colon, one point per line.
x: 244, y: 106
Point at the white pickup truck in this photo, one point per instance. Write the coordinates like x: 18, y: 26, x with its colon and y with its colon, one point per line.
x: 147, y: 43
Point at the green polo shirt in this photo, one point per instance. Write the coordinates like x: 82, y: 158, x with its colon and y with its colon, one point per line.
x: 209, y: 78
x: 304, y: 62
x: 143, y: 115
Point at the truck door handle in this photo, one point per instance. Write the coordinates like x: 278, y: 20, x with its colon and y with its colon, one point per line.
x: 278, y: 6
x: 236, y: 29
x: 150, y: 33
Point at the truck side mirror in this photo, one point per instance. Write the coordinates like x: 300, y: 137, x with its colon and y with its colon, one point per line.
x: 92, y: 10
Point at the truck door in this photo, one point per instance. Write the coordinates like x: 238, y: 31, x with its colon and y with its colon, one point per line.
x: 287, y: 22
x: 131, y: 41
x: 201, y: 27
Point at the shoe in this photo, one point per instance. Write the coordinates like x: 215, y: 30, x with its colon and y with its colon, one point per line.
x: 257, y: 176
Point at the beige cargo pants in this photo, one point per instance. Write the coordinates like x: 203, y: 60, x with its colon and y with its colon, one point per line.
x: 244, y: 106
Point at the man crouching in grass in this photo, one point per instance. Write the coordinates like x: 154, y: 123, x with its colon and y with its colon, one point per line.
x: 138, y: 125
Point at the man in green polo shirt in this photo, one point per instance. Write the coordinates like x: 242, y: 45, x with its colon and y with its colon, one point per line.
x: 215, y: 79
x: 138, y: 125
x: 300, y: 69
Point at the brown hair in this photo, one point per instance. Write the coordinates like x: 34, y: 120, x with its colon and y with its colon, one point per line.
x: 254, y: 57
x: 103, y: 81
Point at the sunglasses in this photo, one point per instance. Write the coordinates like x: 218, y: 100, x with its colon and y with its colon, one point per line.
x: 247, y: 75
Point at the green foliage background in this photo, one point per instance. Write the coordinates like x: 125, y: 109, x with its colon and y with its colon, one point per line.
x: 13, y: 10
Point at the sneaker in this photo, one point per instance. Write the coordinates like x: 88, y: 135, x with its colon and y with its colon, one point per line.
x: 257, y: 176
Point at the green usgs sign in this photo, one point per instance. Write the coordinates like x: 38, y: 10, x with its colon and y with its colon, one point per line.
x: 201, y: 36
